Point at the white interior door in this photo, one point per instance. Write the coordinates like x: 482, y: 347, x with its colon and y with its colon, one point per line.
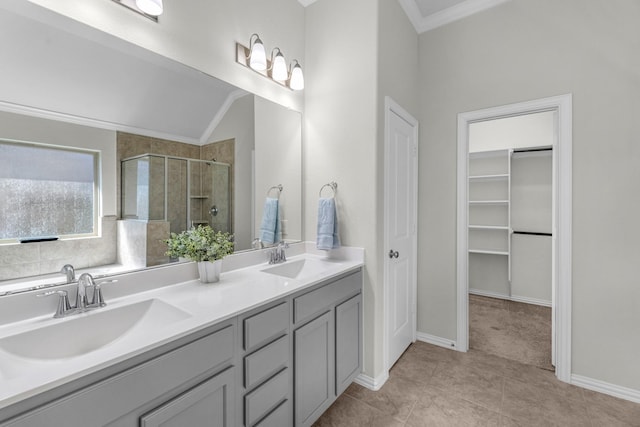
x: 401, y: 165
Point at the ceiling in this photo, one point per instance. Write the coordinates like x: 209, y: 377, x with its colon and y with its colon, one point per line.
x: 426, y: 15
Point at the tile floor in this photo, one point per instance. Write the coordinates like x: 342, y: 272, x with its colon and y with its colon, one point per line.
x: 434, y: 386
x: 510, y: 329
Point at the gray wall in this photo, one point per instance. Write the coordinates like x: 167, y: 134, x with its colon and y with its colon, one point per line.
x: 359, y: 52
x: 529, y: 49
x: 340, y: 137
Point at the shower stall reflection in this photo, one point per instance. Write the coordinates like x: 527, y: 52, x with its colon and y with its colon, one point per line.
x: 166, y: 194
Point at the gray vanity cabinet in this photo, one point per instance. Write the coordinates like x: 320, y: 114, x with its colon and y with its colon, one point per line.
x: 177, y: 385
x: 281, y: 364
x: 328, y: 348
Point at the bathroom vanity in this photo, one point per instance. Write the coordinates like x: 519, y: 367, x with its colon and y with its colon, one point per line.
x: 267, y: 346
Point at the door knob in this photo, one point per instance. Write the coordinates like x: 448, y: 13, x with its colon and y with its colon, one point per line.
x: 393, y: 254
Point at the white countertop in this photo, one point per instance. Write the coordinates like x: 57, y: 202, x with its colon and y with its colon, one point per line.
x: 239, y: 290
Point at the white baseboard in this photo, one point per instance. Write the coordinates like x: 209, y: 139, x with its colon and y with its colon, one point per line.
x: 515, y: 298
x: 606, y: 388
x: 373, y: 384
x: 432, y: 339
x: 528, y: 300
x: 488, y: 294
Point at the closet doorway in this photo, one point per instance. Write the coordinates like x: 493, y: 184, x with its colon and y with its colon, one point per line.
x: 510, y: 234
x: 514, y: 226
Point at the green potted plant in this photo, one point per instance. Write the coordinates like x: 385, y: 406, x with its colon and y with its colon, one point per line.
x: 203, y: 245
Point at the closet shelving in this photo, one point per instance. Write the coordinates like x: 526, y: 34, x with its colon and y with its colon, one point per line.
x: 510, y: 196
x: 489, y: 205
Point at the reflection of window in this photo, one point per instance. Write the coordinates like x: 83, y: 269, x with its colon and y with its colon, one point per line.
x: 47, y: 191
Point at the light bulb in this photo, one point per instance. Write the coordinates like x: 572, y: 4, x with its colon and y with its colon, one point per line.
x: 297, y: 79
x: 279, y: 68
x: 258, y: 57
x: 150, y: 7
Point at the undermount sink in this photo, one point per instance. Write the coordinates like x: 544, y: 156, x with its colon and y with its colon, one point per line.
x: 300, y: 269
x: 87, y: 332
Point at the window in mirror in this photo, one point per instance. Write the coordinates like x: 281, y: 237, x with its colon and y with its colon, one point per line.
x: 47, y: 191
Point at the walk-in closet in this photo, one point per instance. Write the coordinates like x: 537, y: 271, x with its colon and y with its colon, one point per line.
x: 510, y: 231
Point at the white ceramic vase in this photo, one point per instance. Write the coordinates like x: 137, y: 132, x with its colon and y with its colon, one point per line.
x: 210, y: 271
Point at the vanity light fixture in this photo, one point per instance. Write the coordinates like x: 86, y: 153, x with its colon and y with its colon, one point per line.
x: 147, y: 8
x: 278, y: 68
x: 273, y: 68
x: 257, y: 54
x: 296, y: 81
x: 150, y: 7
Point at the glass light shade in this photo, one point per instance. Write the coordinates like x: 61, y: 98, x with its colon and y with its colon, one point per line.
x: 150, y: 7
x: 297, y: 79
x: 279, y: 68
x: 258, y: 57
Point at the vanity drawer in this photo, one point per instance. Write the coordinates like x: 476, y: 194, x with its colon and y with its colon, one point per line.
x: 265, y: 398
x: 266, y: 326
x: 314, y: 302
x: 265, y: 362
x: 280, y: 417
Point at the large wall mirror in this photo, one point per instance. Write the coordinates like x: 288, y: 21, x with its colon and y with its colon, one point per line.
x: 175, y: 148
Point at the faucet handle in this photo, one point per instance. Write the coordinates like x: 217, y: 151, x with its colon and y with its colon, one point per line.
x: 63, y: 302
x: 98, y: 299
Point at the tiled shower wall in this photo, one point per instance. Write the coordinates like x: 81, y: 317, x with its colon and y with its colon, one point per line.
x: 129, y: 145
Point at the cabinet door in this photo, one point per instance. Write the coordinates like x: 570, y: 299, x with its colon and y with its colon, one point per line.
x: 348, y: 342
x: 209, y: 404
x: 314, y: 357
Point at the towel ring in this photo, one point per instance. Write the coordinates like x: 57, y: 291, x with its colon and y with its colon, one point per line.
x: 333, y: 185
x: 276, y: 187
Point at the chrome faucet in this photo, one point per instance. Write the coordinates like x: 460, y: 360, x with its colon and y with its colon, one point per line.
x: 277, y: 255
x: 70, y: 273
x: 85, y: 281
x: 82, y: 301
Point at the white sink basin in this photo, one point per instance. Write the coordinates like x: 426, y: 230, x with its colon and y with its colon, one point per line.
x: 83, y: 333
x: 301, y: 268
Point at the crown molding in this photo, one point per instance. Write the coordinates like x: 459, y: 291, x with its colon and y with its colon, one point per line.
x: 454, y: 13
